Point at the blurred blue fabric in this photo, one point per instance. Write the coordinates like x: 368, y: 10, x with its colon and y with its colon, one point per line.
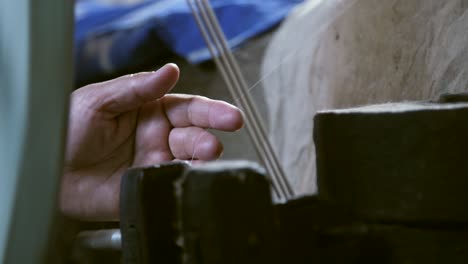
x: 112, y: 38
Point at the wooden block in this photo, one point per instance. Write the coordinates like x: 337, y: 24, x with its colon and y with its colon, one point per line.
x: 317, y: 231
x: 387, y: 244
x: 396, y: 163
x: 301, y: 224
x: 228, y: 215
x: 149, y: 215
x: 220, y: 212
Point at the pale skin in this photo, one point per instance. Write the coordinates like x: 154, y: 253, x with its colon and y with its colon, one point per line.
x: 131, y: 121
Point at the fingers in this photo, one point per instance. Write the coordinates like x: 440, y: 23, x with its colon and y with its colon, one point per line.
x: 151, y: 138
x: 194, y: 143
x: 132, y: 91
x: 186, y: 110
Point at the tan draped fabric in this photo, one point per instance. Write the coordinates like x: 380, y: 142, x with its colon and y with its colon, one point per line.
x: 341, y: 53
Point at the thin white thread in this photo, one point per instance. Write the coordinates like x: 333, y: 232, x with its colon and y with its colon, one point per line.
x: 195, y: 148
x: 261, y: 79
x: 292, y: 54
x: 285, y: 59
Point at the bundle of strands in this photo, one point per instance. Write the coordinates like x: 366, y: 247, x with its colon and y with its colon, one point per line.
x: 229, y: 69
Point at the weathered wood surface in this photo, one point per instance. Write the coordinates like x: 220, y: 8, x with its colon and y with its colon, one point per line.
x: 315, y: 231
x: 219, y: 212
x: 336, y: 54
x: 397, y: 163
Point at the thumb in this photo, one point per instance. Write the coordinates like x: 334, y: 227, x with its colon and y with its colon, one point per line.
x: 132, y: 91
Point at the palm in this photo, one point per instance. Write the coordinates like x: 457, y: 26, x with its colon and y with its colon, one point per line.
x: 108, y: 135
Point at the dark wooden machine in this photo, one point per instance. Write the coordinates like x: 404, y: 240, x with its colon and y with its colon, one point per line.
x: 392, y: 184
x: 392, y: 188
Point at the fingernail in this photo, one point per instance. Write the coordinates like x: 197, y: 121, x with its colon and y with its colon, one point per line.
x: 167, y: 67
x: 173, y: 65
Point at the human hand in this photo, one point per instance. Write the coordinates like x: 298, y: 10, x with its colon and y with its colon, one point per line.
x: 129, y: 122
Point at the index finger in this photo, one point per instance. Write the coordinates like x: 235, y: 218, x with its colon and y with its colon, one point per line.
x: 187, y: 110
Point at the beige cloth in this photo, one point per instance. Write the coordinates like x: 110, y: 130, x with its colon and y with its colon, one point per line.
x: 342, y: 53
